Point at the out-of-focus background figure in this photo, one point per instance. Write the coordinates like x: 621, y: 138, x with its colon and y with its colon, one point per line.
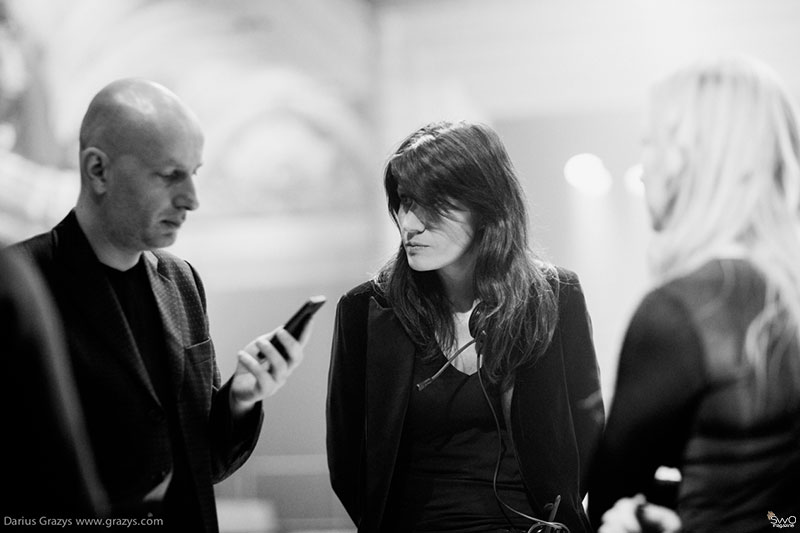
x: 50, y: 463
x: 709, y: 376
x: 302, y: 101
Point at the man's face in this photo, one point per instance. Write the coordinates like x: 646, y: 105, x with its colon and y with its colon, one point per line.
x: 151, y: 188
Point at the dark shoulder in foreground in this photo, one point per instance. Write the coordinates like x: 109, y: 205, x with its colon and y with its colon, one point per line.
x: 35, y: 247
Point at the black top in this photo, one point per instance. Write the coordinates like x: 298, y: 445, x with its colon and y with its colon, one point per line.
x: 135, y: 295
x: 554, y: 411
x: 688, y: 397
x: 448, y: 456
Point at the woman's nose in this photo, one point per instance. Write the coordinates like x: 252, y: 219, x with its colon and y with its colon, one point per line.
x: 409, y: 221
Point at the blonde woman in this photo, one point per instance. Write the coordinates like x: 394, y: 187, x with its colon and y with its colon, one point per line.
x: 709, y: 376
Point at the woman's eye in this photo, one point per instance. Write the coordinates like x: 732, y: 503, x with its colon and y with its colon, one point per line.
x: 406, y: 202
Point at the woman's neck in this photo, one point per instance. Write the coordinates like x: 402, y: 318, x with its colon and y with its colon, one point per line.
x: 459, y: 287
x: 458, y: 284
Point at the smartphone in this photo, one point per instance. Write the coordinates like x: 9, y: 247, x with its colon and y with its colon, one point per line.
x: 297, y: 323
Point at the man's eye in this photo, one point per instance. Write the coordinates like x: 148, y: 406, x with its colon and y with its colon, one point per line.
x: 172, y: 176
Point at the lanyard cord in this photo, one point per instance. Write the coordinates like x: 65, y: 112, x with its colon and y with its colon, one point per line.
x: 537, y: 524
x: 422, y: 384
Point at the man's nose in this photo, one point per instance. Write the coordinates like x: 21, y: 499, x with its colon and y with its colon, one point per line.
x: 186, y: 197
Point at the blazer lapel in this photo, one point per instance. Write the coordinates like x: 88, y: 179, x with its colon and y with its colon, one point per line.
x: 172, y: 318
x: 390, y: 372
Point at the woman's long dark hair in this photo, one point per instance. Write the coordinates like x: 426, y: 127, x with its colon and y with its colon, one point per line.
x: 463, y: 165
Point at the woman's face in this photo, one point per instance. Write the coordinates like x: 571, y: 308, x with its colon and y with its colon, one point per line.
x: 436, y: 242
x: 661, y: 164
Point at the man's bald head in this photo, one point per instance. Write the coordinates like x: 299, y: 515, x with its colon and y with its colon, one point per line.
x: 127, y: 116
x: 140, y: 148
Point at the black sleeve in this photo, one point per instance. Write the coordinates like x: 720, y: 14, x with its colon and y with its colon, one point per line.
x: 659, y: 381
x: 232, y: 439
x: 345, y: 409
x: 582, y: 374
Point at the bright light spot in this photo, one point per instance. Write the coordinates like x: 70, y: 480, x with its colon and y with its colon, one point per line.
x: 588, y: 174
x: 669, y: 474
x: 633, y: 180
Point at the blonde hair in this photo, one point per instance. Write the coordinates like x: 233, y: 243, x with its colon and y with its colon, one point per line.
x: 737, y: 191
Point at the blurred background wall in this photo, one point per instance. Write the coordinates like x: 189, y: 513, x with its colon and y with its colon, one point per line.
x: 302, y: 101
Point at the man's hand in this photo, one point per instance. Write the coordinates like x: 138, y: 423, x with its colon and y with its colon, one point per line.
x: 635, y: 515
x: 257, y: 378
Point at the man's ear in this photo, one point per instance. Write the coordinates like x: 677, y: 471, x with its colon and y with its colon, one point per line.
x: 94, y: 167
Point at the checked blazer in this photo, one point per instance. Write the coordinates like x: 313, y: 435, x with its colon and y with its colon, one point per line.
x: 126, y: 422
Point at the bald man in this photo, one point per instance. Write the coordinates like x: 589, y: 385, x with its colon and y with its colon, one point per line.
x: 161, y: 424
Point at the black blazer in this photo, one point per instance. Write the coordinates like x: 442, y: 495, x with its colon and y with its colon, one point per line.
x: 125, y: 420
x: 555, y: 408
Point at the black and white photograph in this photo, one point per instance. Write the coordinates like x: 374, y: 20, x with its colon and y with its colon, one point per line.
x: 244, y: 242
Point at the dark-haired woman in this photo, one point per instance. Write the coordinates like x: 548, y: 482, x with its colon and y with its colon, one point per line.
x: 464, y: 392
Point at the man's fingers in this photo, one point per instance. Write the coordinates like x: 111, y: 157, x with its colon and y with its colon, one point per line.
x: 293, y: 348
x: 277, y: 366
x: 250, y: 363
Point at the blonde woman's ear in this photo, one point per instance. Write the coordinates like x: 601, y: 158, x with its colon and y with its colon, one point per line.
x: 675, y: 162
